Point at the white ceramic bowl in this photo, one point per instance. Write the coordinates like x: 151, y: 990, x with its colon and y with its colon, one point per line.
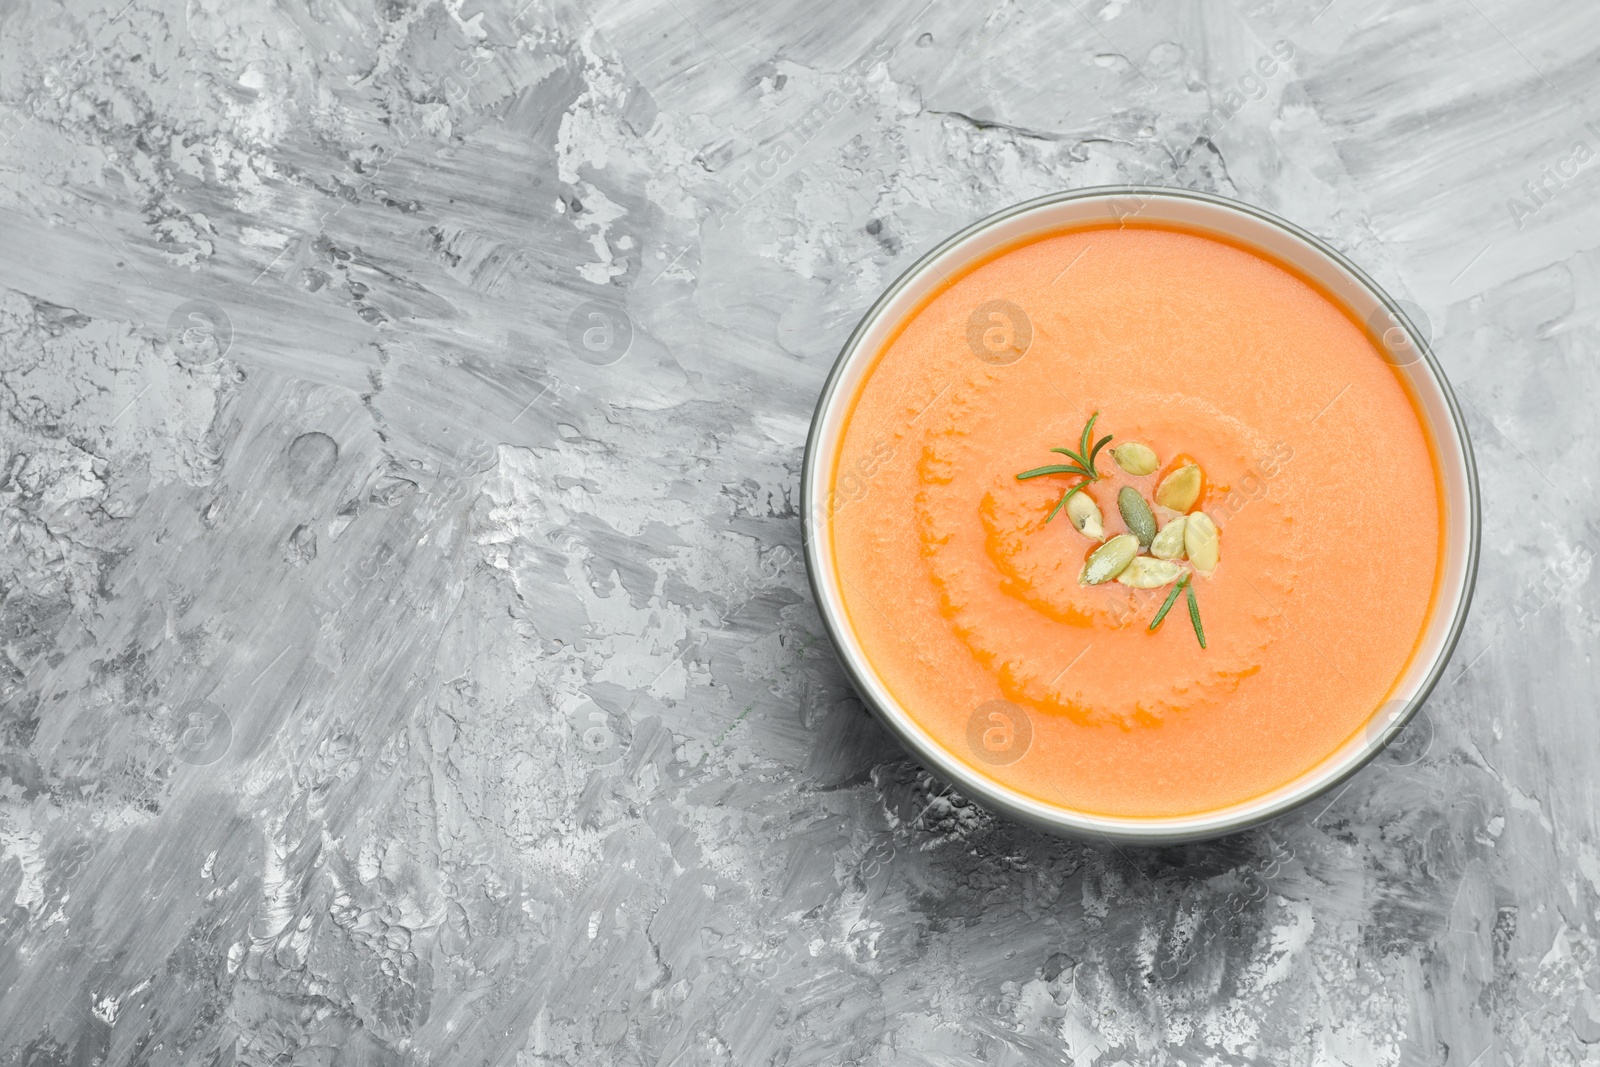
x: 1398, y: 339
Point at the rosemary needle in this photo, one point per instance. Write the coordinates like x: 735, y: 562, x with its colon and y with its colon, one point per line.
x: 1172, y: 598
x: 1194, y: 617
x: 1063, y: 501
x: 1054, y: 468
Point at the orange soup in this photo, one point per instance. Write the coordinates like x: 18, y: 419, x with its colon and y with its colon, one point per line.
x: 1309, y: 549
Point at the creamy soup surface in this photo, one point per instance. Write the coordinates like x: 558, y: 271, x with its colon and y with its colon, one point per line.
x: 1317, y: 476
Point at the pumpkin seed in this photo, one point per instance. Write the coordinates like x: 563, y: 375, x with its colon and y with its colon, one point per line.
x: 1136, y: 513
x: 1180, y: 489
x: 1147, y: 572
x: 1110, y: 559
x: 1169, y: 542
x: 1136, y: 458
x: 1085, y: 516
x: 1200, y: 540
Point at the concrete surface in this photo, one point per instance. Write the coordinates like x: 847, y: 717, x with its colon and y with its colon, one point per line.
x: 407, y: 654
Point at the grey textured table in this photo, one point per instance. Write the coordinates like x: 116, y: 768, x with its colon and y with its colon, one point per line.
x: 407, y: 654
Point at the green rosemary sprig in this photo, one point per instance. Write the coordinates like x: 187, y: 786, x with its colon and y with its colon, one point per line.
x: 1082, y: 465
x: 1194, y: 617
x: 1172, y: 598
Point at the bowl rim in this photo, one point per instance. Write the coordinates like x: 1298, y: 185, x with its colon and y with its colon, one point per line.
x: 1141, y: 830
